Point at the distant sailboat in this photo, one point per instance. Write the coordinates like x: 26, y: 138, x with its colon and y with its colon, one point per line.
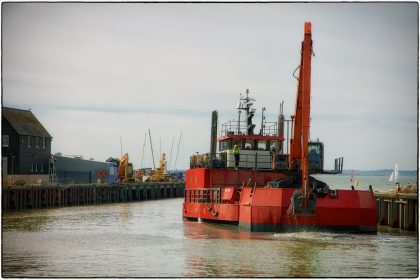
x: 394, y: 175
x: 356, y: 182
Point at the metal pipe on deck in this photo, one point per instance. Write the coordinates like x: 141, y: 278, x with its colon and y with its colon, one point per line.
x: 213, y: 136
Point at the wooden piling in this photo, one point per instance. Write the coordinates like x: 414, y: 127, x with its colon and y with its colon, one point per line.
x: 398, y: 210
x: 51, y: 196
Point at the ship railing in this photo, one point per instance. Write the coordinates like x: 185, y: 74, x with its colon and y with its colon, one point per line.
x: 241, y: 128
x: 203, y: 195
x: 234, y: 128
x: 227, y: 161
x: 270, y: 129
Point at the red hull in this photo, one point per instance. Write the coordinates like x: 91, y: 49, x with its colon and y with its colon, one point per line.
x: 208, y: 178
x: 265, y: 209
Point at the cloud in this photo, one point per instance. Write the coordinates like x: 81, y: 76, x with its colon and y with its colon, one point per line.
x: 93, y: 72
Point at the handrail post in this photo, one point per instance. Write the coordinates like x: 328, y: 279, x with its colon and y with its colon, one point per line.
x: 256, y: 161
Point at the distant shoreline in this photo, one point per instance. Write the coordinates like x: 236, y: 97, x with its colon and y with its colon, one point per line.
x: 381, y: 172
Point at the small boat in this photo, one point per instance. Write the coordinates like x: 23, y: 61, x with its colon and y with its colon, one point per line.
x: 394, y: 174
x: 257, y: 183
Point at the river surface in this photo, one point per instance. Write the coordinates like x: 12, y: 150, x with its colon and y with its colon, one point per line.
x: 378, y: 183
x: 150, y: 239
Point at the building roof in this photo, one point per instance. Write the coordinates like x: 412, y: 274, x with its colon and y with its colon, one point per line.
x: 24, y: 122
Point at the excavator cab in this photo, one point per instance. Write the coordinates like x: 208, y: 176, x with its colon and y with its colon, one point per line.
x: 316, y: 157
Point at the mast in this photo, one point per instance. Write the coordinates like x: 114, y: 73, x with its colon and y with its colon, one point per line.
x: 142, y: 153
x: 121, y: 146
x: 246, y: 104
x: 177, y: 150
x: 281, y: 127
x: 151, y: 147
x: 170, y: 156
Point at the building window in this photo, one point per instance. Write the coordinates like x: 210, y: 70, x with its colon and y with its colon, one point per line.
x: 37, y: 142
x: 32, y: 168
x: 29, y: 141
x: 5, y: 141
x: 43, y: 142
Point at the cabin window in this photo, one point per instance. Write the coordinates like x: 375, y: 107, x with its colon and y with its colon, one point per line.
x: 37, y: 142
x: 315, y: 153
x: 225, y: 145
x: 313, y: 149
x: 249, y: 145
x: 262, y: 145
x: 44, y: 140
x: 5, y: 141
x: 29, y: 141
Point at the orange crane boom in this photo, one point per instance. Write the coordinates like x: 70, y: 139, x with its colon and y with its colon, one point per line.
x: 298, y: 159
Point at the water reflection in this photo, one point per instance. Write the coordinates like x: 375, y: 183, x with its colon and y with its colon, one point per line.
x: 22, y: 263
x: 124, y: 214
x: 303, y: 259
x: 219, y: 250
x: 225, y: 251
x: 150, y: 239
x: 25, y: 221
x: 197, y: 230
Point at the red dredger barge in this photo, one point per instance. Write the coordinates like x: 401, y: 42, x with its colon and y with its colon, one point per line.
x: 268, y: 189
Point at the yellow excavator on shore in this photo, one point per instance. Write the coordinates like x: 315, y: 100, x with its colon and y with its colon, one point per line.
x: 159, y: 174
x: 125, y: 170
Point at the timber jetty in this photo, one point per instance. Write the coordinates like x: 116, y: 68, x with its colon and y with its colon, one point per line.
x: 16, y: 198
x: 398, y: 208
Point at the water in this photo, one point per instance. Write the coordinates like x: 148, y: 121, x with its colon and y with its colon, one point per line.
x: 379, y: 183
x: 150, y: 239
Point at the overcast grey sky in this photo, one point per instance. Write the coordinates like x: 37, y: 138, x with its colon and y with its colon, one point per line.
x: 92, y: 72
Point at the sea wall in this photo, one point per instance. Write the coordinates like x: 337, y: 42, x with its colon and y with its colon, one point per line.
x: 18, y: 198
x: 398, y: 210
